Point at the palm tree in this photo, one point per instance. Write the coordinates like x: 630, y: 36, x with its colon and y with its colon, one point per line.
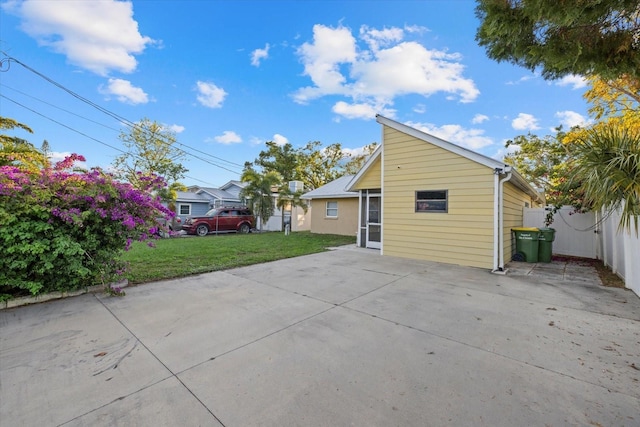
x: 607, y: 161
x: 289, y: 199
x: 258, y: 191
x: 19, y: 152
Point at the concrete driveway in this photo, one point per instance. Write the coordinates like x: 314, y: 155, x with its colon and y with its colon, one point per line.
x: 345, y: 337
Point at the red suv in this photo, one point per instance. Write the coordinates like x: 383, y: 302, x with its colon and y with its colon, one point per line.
x: 220, y: 220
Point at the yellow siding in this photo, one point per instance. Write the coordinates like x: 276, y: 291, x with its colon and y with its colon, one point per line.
x: 514, y: 201
x: 463, y: 235
x: 345, y: 224
x: 372, y: 178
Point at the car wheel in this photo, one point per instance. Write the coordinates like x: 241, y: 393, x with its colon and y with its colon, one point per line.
x: 244, y: 228
x: 202, y: 230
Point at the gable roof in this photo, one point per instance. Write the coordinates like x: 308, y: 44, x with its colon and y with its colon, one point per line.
x: 232, y: 183
x: 370, y: 161
x: 494, y: 164
x: 189, y: 196
x: 217, y: 193
x: 332, y: 190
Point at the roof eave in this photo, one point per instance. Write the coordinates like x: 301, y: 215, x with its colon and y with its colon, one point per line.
x: 370, y: 161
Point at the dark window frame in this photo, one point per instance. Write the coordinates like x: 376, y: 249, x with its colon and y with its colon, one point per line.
x: 422, y: 203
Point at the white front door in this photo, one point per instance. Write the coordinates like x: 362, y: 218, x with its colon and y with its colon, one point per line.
x: 374, y: 221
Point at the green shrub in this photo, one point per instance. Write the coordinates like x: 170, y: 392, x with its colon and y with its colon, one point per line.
x: 64, y: 230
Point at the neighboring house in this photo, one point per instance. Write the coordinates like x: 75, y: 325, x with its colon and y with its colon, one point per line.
x: 227, y: 195
x: 294, y: 216
x: 425, y: 198
x: 191, y: 204
x: 334, y: 210
x: 198, y: 200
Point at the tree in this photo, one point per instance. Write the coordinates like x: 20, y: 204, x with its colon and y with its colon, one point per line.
x: 613, y: 97
x: 282, y: 159
x: 15, y: 151
x: 592, y: 167
x: 259, y: 190
x: 608, y: 167
x: 318, y: 166
x: 539, y: 160
x: 590, y: 37
x: 151, y: 152
x: 546, y: 163
x: 356, y: 162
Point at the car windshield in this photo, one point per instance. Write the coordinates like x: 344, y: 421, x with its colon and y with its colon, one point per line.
x: 212, y: 212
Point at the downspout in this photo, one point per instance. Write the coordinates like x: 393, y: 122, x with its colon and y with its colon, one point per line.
x: 507, y: 170
x: 496, y: 207
x: 359, y: 232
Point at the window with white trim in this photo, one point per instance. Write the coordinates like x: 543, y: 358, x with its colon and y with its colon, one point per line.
x: 432, y: 201
x: 332, y: 209
x: 184, y: 209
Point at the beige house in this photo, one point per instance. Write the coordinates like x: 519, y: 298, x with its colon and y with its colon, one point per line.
x: 425, y: 198
x: 332, y: 209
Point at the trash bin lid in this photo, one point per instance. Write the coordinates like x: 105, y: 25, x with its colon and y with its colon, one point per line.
x: 525, y: 229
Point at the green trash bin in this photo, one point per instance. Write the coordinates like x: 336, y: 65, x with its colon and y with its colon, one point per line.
x: 545, y: 244
x: 527, y: 241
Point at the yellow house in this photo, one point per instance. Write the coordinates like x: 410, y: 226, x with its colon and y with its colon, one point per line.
x: 425, y: 198
x: 333, y: 210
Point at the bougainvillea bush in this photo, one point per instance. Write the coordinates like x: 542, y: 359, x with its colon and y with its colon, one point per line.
x: 63, y: 229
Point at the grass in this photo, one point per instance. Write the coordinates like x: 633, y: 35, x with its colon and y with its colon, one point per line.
x: 184, y: 256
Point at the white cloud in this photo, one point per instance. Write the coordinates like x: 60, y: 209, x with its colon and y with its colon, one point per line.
x: 503, y: 151
x: 254, y: 140
x: 362, y: 110
x: 354, y: 152
x: 175, y: 128
x: 124, y: 91
x: 354, y: 111
x: 280, y: 140
x: 99, y: 36
x: 468, y: 138
x: 420, y: 108
x: 259, y: 54
x: 210, y: 95
x: 479, y: 118
x: 385, y: 37
x: 577, y: 82
x: 569, y: 119
x: 525, y: 122
x: 523, y: 79
x: 386, y: 68
x: 228, y: 137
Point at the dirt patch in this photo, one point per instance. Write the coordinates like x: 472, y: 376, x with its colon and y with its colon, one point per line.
x: 607, y: 277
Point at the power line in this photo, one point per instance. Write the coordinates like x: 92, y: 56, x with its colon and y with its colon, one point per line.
x: 62, y: 124
x: 82, y: 133
x: 117, y: 117
x: 59, y: 108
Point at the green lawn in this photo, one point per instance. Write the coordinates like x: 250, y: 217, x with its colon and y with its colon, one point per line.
x: 183, y: 256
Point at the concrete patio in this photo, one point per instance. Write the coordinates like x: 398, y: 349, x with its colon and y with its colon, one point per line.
x: 345, y: 337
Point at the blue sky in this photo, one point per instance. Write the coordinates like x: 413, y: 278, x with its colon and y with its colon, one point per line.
x: 227, y: 76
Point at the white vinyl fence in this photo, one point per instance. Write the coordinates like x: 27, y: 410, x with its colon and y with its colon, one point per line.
x: 620, y: 251
x: 575, y: 233
x: 593, y: 236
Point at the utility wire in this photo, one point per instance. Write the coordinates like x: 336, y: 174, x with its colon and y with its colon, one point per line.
x: 82, y: 133
x: 134, y: 125
x: 117, y: 117
x: 62, y: 124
